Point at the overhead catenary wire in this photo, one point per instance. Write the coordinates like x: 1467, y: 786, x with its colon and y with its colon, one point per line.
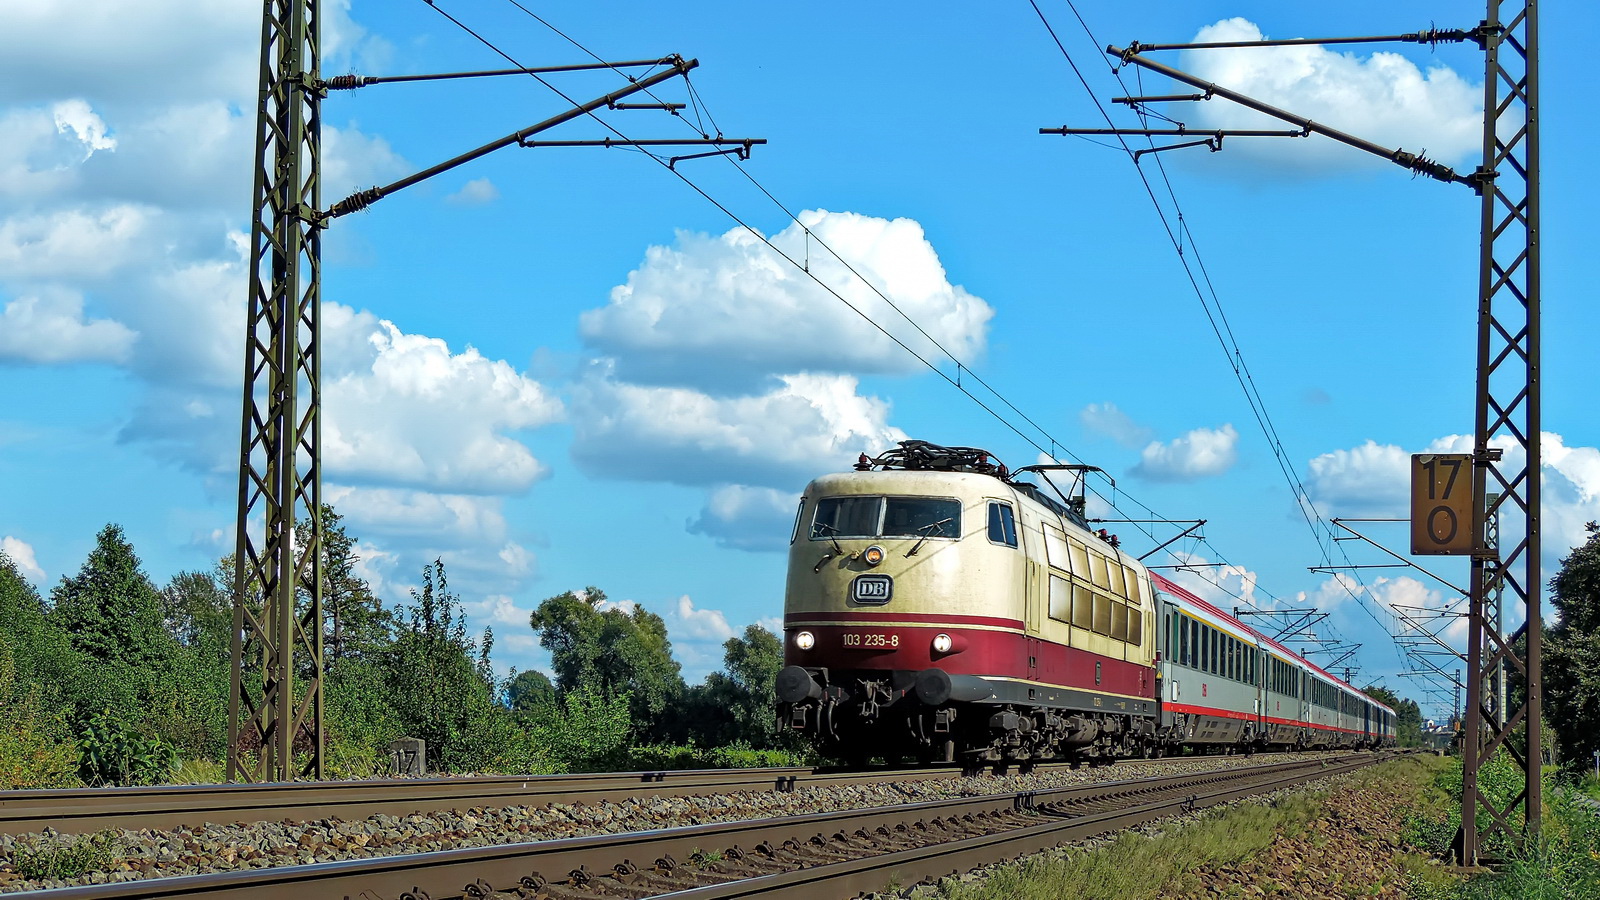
x: 955, y: 381
x: 1321, y: 529
x: 960, y: 365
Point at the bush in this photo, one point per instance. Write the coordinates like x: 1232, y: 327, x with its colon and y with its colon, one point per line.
x: 112, y: 753
x: 36, y: 746
x: 51, y: 859
x: 674, y: 757
x: 586, y: 733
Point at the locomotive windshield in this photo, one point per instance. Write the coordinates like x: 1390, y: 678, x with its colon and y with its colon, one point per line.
x: 869, y: 517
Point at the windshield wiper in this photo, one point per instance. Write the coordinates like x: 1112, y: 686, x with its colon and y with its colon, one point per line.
x: 928, y: 531
x: 817, y: 528
x: 837, y: 550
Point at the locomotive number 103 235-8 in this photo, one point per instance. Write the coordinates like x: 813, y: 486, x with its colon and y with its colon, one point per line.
x: 870, y: 640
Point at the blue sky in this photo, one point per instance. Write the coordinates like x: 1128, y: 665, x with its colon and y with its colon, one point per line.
x: 562, y: 367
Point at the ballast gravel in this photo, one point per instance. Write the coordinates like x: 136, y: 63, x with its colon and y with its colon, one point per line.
x: 143, y: 853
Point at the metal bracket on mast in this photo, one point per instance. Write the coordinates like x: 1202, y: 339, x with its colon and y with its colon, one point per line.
x: 1507, y: 407
x: 275, y: 709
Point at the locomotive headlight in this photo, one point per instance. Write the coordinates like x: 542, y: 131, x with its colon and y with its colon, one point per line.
x: 805, y: 640
x: 942, y: 643
x: 873, y: 555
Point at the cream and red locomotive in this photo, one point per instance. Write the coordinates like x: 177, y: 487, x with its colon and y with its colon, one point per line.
x: 939, y: 607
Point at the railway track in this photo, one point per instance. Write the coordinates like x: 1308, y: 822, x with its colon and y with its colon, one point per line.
x: 810, y: 856
x: 91, y: 809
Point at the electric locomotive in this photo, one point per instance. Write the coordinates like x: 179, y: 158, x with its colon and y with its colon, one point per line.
x: 938, y: 607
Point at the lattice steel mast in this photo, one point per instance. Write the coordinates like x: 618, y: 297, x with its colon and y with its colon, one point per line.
x: 1507, y: 412
x: 1507, y: 397
x: 278, y: 562
x: 277, y: 613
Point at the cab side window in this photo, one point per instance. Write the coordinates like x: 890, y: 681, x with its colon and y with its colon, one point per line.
x: 1002, y: 524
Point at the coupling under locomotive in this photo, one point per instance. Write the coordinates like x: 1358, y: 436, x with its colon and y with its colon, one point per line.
x: 938, y: 608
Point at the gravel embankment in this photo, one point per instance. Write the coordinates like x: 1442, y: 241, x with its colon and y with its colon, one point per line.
x: 143, y: 853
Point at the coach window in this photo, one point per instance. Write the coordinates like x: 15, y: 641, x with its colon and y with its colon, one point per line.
x: 1172, y: 636
x: 922, y: 517
x: 1216, y: 652
x: 1060, y: 599
x: 1082, y: 607
x: 1055, y: 547
x: 1003, y: 525
x: 1183, y: 639
x: 1080, y: 560
x: 1102, y: 614
x: 1097, y: 570
x: 1119, y: 621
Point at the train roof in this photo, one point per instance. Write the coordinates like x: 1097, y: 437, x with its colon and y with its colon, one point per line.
x: 1166, y: 585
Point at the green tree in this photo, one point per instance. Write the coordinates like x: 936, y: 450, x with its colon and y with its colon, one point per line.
x: 530, y: 690
x: 355, y: 622
x: 198, y: 613
x: 1571, y: 663
x: 585, y: 731
x: 752, y: 663
x: 41, y: 652
x: 110, y: 608
x: 36, y: 659
x: 441, y: 689
x: 615, y: 652
x: 1407, y: 715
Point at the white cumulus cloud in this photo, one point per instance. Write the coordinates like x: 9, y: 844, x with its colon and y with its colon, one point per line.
x: 1374, y: 480
x: 731, y: 299
x: 702, y: 624
x: 75, y: 243
x: 21, y: 553
x: 50, y: 327
x: 403, y: 409
x: 50, y: 48
x: 1368, y: 480
x: 1202, y: 453
x: 1223, y: 585
x: 780, y: 439
x: 77, y: 117
x: 1383, y: 97
x: 453, y: 519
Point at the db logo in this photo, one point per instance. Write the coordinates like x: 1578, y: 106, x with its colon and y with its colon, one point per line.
x: 1203, y: 689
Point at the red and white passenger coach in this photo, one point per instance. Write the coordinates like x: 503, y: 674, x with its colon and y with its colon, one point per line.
x: 938, y: 607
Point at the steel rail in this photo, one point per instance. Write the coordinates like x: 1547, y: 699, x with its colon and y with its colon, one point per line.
x: 870, y: 874
x: 79, y: 809
x: 445, y: 873
x: 74, y: 810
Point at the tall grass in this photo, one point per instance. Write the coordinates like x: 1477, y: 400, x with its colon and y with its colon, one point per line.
x: 1132, y: 865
